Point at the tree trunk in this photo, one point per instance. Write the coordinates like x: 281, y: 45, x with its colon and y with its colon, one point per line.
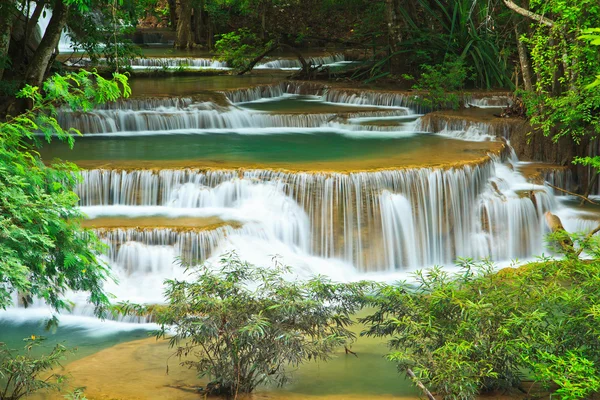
x: 184, y: 25
x: 31, y: 24
x: 41, y: 59
x: 590, y: 186
x: 524, y: 61
x: 8, y: 14
x: 198, y: 21
x: 172, y: 13
x: 263, y: 21
x: 35, y: 17
x: 209, y: 34
x: 392, y: 18
x: 257, y: 59
x: 563, y: 238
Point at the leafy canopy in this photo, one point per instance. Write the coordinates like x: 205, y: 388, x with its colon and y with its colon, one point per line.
x: 43, y: 250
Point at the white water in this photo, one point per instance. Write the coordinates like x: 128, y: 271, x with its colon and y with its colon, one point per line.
x: 375, y: 221
x: 65, y: 44
x: 348, y: 226
x: 183, y: 115
x: 199, y: 63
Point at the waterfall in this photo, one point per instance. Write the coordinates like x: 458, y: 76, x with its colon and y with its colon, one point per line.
x: 327, y: 94
x: 161, y: 62
x: 211, y: 63
x: 176, y: 119
x: 381, y: 220
x: 461, y: 128
x: 65, y: 44
x: 130, y: 249
x: 488, y: 101
x: 295, y: 63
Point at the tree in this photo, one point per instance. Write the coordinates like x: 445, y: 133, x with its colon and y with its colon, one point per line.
x: 243, y: 326
x: 43, y: 250
x: 564, y: 65
x: 184, y: 25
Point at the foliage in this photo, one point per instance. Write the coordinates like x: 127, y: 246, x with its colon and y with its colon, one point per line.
x: 43, y: 250
x: 593, y: 162
x: 441, y: 84
x: 23, y: 373
x: 470, y: 30
x: 245, y: 325
x: 593, y: 36
x: 103, y: 34
x: 565, y: 65
x: 239, y: 48
x: 478, y: 330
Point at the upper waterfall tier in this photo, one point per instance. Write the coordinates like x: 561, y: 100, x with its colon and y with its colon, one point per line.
x: 151, y: 62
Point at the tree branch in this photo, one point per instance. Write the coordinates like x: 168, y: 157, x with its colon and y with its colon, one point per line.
x: 426, y: 392
x: 257, y: 59
x: 586, y: 240
x: 583, y: 198
x: 531, y: 15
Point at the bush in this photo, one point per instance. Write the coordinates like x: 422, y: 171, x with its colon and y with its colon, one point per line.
x: 23, y: 374
x: 478, y: 330
x: 245, y: 325
x: 441, y: 84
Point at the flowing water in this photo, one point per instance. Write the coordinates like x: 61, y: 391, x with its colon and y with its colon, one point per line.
x: 334, y: 181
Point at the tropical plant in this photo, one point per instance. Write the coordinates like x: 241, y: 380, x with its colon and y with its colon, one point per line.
x: 440, y: 85
x: 43, y: 250
x: 240, y: 47
x: 565, y: 100
x: 435, y: 32
x: 243, y: 326
x: 23, y: 373
x: 479, y: 330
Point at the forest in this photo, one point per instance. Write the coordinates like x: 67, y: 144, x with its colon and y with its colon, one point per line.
x: 292, y: 199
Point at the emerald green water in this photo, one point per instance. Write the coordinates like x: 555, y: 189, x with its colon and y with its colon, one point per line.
x: 309, y: 151
x: 84, y: 340
x: 234, y: 147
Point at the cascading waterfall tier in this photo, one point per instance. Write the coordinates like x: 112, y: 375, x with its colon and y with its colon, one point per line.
x: 378, y: 221
x: 327, y: 93
x: 184, y: 114
x: 135, y: 250
x: 184, y: 119
x: 294, y: 63
x: 211, y: 63
x: 462, y: 128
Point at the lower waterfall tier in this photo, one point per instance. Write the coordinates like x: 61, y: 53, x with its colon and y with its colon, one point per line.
x: 387, y: 220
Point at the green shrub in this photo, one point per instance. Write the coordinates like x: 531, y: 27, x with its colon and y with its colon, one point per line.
x: 441, y: 84
x: 23, y: 373
x: 478, y: 330
x: 243, y: 326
